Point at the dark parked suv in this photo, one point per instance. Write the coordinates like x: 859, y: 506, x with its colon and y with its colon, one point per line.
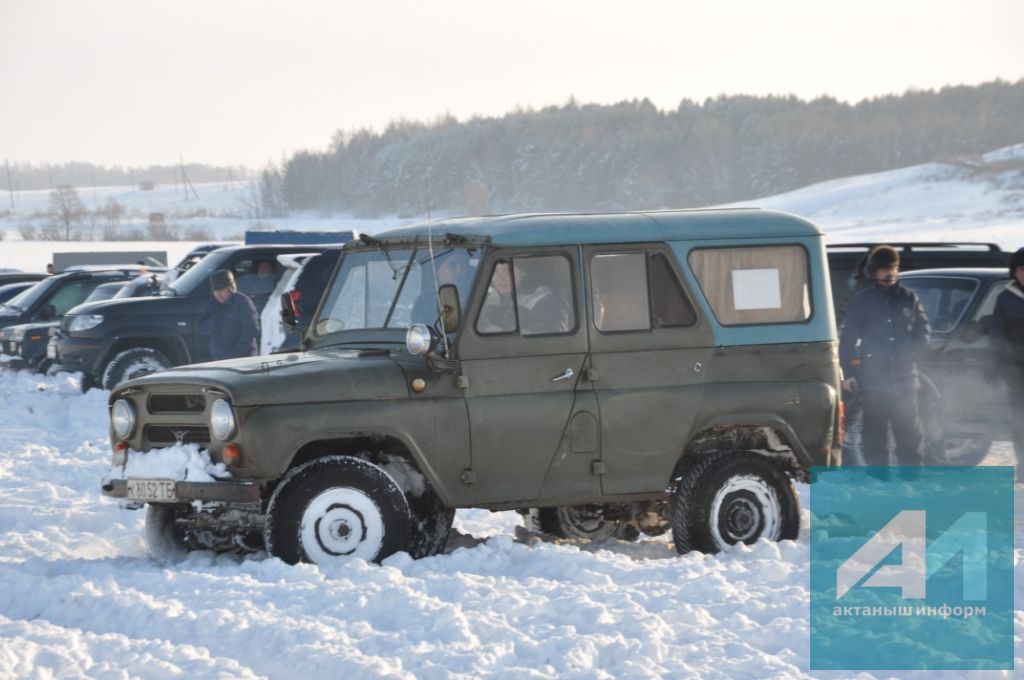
x: 53, y: 296
x: 116, y: 340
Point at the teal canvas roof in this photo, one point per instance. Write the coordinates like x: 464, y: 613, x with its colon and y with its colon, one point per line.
x: 634, y: 227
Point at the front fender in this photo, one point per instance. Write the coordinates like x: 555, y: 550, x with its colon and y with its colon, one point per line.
x: 435, y: 433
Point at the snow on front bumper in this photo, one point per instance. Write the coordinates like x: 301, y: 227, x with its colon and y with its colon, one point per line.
x: 182, y: 473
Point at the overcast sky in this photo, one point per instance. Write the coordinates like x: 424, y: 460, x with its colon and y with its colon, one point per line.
x: 246, y: 81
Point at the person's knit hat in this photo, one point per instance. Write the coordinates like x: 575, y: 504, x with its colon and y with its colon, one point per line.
x: 1016, y: 260
x: 881, y: 257
x: 223, y: 278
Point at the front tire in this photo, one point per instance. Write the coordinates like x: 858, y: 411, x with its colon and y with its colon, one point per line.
x: 725, y: 498
x: 336, y: 509
x: 133, y: 363
x: 165, y: 540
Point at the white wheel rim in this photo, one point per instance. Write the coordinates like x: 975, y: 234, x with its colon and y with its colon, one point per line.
x: 741, y: 495
x: 339, y: 525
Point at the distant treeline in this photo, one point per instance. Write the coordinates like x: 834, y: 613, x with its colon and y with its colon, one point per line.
x: 28, y: 177
x: 630, y: 155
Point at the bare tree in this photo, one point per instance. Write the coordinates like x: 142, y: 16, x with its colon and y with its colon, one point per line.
x: 65, y: 209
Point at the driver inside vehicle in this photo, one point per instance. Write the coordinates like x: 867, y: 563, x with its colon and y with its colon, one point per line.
x: 453, y: 268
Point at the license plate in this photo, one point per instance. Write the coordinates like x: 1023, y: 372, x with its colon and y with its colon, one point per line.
x: 51, y: 348
x: 151, y: 490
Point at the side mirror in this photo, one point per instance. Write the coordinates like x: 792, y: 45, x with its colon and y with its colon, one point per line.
x: 289, y: 311
x: 451, y: 310
x: 48, y: 312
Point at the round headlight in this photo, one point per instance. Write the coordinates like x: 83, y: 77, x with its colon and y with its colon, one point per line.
x: 122, y: 418
x: 222, y: 420
x: 418, y: 339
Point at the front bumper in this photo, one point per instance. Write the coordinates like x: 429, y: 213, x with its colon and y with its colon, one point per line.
x: 224, y: 492
x: 79, y: 354
x: 13, y: 363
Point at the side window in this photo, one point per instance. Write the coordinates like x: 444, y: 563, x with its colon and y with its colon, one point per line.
x: 944, y: 299
x: 73, y: 294
x: 620, y: 292
x: 637, y: 291
x: 532, y: 295
x: 257, y: 276
x: 754, y: 285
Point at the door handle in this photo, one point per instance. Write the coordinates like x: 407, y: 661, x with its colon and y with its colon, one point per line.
x: 565, y: 375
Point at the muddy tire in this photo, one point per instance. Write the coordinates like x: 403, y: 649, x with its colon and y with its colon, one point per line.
x: 131, y: 364
x: 726, y: 498
x: 336, y: 509
x: 579, y: 521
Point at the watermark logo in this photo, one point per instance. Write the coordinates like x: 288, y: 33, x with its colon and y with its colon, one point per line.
x: 911, y: 568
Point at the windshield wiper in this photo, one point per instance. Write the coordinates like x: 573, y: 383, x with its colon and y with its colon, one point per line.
x: 380, y: 245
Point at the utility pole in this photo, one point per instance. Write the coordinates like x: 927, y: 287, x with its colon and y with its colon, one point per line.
x: 184, y: 177
x: 10, y: 185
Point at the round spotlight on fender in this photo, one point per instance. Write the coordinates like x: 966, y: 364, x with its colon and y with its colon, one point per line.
x: 222, y: 420
x: 122, y: 418
x: 418, y: 339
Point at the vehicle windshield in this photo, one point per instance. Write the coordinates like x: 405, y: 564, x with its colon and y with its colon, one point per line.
x: 140, y: 286
x: 390, y: 289
x: 28, y: 297
x: 198, y: 274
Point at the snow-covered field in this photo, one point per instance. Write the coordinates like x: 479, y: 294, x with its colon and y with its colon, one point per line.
x: 975, y: 199
x: 81, y: 599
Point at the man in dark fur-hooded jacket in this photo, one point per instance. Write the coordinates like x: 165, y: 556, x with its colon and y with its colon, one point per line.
x: 1006, y: 358
x: 884, y: 333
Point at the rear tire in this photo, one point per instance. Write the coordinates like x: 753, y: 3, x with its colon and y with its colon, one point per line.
x: 726, y: 497
x: 131, y: 364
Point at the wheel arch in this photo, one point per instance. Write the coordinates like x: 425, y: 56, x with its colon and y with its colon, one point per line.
x: 172, y: 347
x: 392, y: 451
x: 766, y: 435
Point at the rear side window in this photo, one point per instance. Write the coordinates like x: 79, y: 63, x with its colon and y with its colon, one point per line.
x: 637, y: 291
x: 754, y: 285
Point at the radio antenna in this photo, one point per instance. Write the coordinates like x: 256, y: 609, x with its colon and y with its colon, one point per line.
x: 433, y: 269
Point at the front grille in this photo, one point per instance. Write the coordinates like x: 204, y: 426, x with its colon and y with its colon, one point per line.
x: 177, y: 403
x: 10, y: 347
x: 173, y: 434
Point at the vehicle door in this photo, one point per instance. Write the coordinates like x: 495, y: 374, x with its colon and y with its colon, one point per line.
x: 649, y: 349
x: 522, y: 352
x: 955, y: 360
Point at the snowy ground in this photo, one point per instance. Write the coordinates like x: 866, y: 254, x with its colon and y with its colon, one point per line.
x: 82, y: 599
